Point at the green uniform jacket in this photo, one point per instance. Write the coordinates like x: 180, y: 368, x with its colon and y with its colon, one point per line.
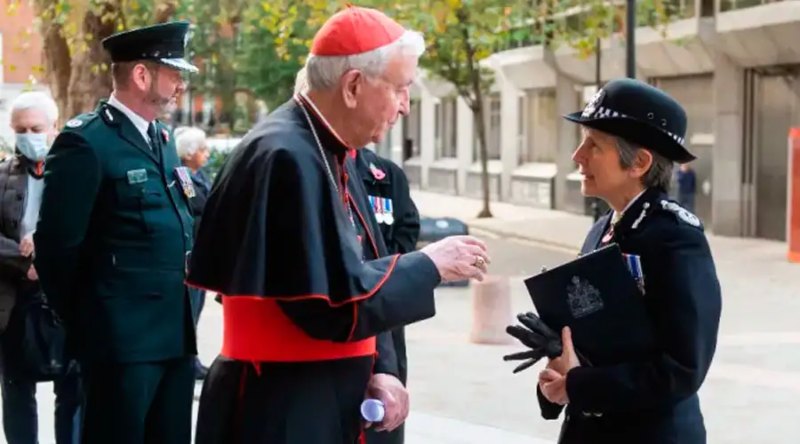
x: 114, y: 232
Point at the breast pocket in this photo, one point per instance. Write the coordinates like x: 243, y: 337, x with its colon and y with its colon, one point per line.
x: 135, y: 201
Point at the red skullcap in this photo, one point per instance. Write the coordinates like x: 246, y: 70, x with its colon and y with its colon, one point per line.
x: 355, y: 30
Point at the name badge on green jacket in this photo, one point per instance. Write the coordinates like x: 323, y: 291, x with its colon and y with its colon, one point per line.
x: 137, y: 176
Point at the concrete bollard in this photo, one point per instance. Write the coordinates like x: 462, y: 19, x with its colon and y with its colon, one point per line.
x: 491, y: 311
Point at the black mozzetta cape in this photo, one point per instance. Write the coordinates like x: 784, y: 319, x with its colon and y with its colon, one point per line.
x: 275, y: 226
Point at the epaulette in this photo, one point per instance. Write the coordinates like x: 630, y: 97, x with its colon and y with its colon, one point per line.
x: 80, y: 121
x: 680, y: 213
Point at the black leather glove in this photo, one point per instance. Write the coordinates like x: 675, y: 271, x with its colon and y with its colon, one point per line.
x: 537, y: 336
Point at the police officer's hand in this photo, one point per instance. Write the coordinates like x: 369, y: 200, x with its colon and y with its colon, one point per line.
x: 568, y: 358
x: 537, y: 336
x: 553, y: 379
x: 458, y: 258
x: 553, y: 386
x: 394, y: 396
x: 26, y: 246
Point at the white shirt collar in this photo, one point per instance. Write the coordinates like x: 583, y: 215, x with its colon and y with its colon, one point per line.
x: 616, y: 217
x: 138, y: 121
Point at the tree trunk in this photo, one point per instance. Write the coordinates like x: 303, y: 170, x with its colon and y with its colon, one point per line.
x: 477, y: 109
x: 478, y: 113
x: 57, y: 67
x: 89, y: 80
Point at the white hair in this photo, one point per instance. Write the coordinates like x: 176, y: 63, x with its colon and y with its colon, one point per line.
x: 324, y: 72
x: 301, y: 81
x: 36, y: 100
x: 189, y: 139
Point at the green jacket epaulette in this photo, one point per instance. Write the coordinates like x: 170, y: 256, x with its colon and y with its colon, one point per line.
x: 80, y: 122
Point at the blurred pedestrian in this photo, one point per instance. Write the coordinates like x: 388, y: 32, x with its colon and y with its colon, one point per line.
x: 687, y: 186
x: 193, y: 152
x: 33, y: 119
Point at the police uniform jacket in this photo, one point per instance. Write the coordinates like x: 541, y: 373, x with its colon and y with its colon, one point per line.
x: 652, y: 401
x: 385, y: 179
x: 112, y: 239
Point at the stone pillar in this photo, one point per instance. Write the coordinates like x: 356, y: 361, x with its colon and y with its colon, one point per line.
x: 566, y: 136
x: 395, y: 141
x: 465, y: 138
x: 491, y: 310
x: 509, y: 133
x: 427, y: 108
x: 727, y: 197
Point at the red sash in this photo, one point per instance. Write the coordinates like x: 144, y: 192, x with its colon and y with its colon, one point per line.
x: 256, y: 329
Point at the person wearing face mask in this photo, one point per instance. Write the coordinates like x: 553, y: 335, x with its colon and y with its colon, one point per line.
x: 113, y: 241
x: 33, y: 118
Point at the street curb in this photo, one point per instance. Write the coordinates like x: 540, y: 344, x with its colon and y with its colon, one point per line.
x: 476, y: 225
x: 508, y: 235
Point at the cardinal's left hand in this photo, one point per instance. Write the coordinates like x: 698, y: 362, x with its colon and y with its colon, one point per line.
x: 394, y: 396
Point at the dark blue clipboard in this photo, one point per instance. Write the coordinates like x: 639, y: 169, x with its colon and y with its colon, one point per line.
x: 598, y: 298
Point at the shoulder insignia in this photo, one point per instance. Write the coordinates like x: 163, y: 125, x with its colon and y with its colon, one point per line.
x: 681, y: 212
x: 74, y: 123
x: 583, y: 298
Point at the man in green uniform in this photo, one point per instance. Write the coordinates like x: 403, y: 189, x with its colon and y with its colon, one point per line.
x: 113, y: 237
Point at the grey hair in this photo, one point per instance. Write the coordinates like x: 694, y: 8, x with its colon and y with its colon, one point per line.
x: 660, y: 173
x: 324, y: 72
x: 301, y: 81
x: 188, y: 140
x: 36, y: 100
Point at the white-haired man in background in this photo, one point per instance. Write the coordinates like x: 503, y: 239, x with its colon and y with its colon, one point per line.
x: 284, y: 242
x: 33, y: 119
x: 192, y: 147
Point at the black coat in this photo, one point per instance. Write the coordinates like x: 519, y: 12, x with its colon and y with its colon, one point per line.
x: 202, y: 187
x: 387, y: 192
x: 401, y: 231
x: 276, y: 227
x: 653, y: 401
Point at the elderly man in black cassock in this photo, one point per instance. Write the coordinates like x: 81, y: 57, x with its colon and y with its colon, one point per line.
x: 285, y: 244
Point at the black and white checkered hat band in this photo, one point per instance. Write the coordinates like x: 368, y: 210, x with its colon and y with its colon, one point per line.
x: 602, y: 112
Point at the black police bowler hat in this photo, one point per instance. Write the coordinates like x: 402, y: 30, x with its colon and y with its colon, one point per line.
x: 641, y: 114
x: 164, y: 43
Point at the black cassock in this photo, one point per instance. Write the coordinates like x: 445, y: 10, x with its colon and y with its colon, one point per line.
x: 277, y: 232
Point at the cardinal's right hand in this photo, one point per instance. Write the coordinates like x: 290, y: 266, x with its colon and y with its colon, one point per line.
x: 458, y: 258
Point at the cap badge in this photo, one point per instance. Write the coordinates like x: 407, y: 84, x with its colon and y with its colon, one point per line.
x: 594, y: 102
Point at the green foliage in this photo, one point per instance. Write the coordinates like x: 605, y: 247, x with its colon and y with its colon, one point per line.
x: 216, y: 160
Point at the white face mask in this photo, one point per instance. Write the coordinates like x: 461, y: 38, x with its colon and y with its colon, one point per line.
x: 32, y: 145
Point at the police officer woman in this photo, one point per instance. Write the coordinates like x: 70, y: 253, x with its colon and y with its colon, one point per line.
x: 632, y: 134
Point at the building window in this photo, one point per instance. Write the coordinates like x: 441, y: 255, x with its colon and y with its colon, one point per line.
x: 446, y: 128
x: 411, y: 131
x: 707, y: 8
x: 491, y: 115
x: 540, y: 126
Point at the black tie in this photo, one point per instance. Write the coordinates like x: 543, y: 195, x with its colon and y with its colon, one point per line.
x: 151, y: 133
